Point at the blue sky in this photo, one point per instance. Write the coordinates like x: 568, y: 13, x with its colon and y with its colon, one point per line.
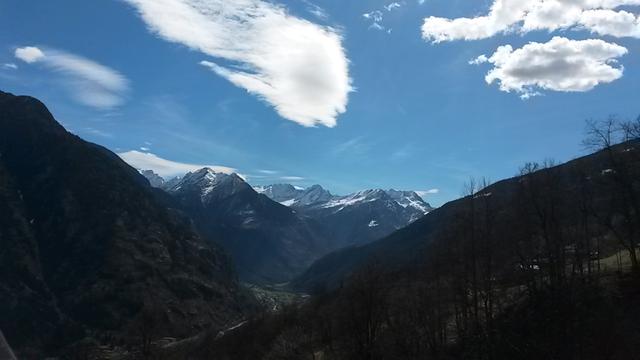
x: 393, y: 96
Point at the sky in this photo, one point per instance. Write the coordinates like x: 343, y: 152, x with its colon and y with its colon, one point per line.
x: 351, y: 94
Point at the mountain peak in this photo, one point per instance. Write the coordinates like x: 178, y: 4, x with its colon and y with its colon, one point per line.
x: 155, y: 180
x: 207, y: 181
x: 410, y: 199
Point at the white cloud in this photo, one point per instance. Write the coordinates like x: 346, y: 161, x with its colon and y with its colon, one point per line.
x: 298, y: 67
x: 355, y: 146
x: 316, y: 10
x: 375, y: 15
x: 423, y: 193
x: 377, y: 26
x: 268, y: 172
x: 479, y: 60
x: 560, y: 65
x: 97, y: 132
x: 10, y: 66
x: 528, y: 15
x: 166, y: 168
x: 29, y: 54
x: 291, y: 178
x: 609, y: 22
x: 392, y: 6
x: 90, y: 83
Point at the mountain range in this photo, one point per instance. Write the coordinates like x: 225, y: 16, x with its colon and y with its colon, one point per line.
x: 354, y: 219
x: 275, y: 232
x: 268, y: 242
x: 584, y: 177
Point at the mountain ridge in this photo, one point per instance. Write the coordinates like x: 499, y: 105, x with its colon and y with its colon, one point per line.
x: 86, y: 244
x: 257, y: 219
x: 409, y: 244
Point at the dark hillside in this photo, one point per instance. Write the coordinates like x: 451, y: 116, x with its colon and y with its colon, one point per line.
x: 86, y: 244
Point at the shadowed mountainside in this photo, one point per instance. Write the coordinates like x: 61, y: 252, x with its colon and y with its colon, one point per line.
x: 86, y: 244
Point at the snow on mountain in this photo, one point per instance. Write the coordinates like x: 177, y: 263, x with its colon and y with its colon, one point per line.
x: 268, y: 240
x: 206, y: 180
x: 293, y: 196
x: 354, y: 199
x: 410, y: 199
x: 297, y: 197
x: 317, y: 196
x: 353, y: 219
x: 282, y: 193
x: 313, y: 195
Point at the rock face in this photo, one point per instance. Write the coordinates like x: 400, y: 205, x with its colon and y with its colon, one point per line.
x: 269, y: 242
x: 155, y: 180
x: 86, y: 243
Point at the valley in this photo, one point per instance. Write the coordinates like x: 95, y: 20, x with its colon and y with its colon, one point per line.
x: 207, y: 266
x: 319, y: 180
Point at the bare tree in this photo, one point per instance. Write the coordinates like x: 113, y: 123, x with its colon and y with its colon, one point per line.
x: 622, y: 216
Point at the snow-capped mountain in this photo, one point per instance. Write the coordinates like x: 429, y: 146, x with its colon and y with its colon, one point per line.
x: 356, y: 218
x: 209, y: 184
x: 294, y: 196
x: 410, y: 199
x: 269, y: 242
x: 274, y: 232
x: 316, y: 195
x: 282, y: 193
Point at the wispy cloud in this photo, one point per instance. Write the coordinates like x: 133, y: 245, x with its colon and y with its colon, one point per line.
x: 298, y: 67
x: 89, y: 82
x: 403, y: 153
x: 376, y: 17
x: 268, y: 172
x: 316, y: 10
x: 424, y: 193
x: 292, y: 178
x: 97, y: 132
x: 164, y: 167
x: 10, y: 66
x: 392, y: 6
x: 355, y: 146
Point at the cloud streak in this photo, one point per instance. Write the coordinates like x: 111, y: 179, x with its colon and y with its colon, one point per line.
x: 89, y: 82
x: 292, y: 178
x: 424, y: 193
x: 377, y: 16
x: 298, y: 67
x: 166, y: 168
